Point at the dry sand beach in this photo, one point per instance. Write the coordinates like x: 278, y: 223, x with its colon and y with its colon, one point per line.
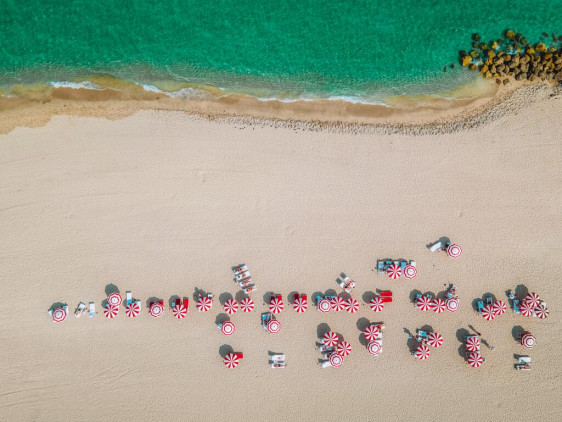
x: 162, y: 202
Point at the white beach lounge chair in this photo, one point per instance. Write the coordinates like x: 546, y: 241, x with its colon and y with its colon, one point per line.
x: 242, y: 268
x: 413, y: 263
x: 325, y: 364
x: 92, y: 311
x: 436, y: 246
x: 277, y: 365
x: 524, y: 363
x: 79, y: 309
x: 129, y: 299
x: 277, y: 361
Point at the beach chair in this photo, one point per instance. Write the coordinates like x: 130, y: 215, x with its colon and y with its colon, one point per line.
x: 242, y: 276
x: 79, y: 309
x: 524, y: 363
x: 516, y: 306
x: 129, y: 299
x: 92, y: 310
x: 324, y: 348
x: 177, y: 302
x: 249, y: 289
x: 489, y: 300
x: 325, y: 364
x: 421, y: 335
x: 265, y: 319
x: 239, y: 355
x: 436, y: 246
x: 186, y: 303
x: 403, y: 265
x: 413, y: 263
x: 319, y: 298
x: 380, y: 266
x: 240, y: 269
x: 480, y: 306
x: 296, y: 296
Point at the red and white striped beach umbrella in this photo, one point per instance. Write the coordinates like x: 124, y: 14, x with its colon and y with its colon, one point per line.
x: 376, y: 304
x: 231, y: 306
x: 452, y: 304
x: 133, y: 310
x: 475, y: 359
x: 324, y: 305
x: 204, y: 304
x: 156, y: 310
x: 532, y: 299
x: 454, y: 251
x: 473, y: 344
x: 394, y: 271
x: 488, y: 313
x: 231, y: 360
x: 438, y: 305
x: 499, y: 307
x: 336, y: 360
x: 300, y: 305
x: 338, y: 303
x: 422, y: 352
x: 374, y: 347
x: 179, y: 311
x: 276, y: 304
x: 434, y: 339
x: 59, y: 315
x: 423, y: 303
x: 371, y: 332
x: 115, y: 299
x: 273, y: 326
x: 330, y: 339
x: 247, y: 304
x: 526, y: 309
x: 351, y: 305
x: 528, y: 340
x: 541, y: 311
x: 227, y: 328
x: 410, y: 271
x: 111, y: 311
x: 344, y: 348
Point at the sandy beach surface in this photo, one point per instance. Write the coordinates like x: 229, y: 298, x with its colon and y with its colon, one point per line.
x: 160, y: 203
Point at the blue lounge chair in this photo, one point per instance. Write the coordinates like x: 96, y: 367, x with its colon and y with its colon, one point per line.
x: 516, y: 306
x: 480, y: 306
x: 265, y: 319
x: 489, y: 300
x: 319, y: 298
x: 403, y: 265
x: 380, y: 266
x: 421, y: 334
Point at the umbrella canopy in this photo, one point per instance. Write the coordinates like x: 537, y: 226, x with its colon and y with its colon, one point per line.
x: 273, y: 326
x: 376, y: 304
x: 435, y: 339
x: 454, y: 251
x: 488, y: 313
x: 227, y: 328
x: 423, y: 303
x: 179, y: 311
x: 438, y: 305
x: 111, y: 311
x: 338, y: 303
x: 422, y: 352
x: 231, y: 360
x: 410, y: 271
x: 374, y: 347
x: 330, y: 339
x: 351, y: 305
x: 133, y: 309
x: 247, y: 304
x: 528, y: 340
x: 336, y: 360
x: 452, y: 304
x: 532, y: 299
x: 344, y: 348
x: 276, y: 304
x: 473, y: 344
x: 324, y: 305
x: 526, y: 309
x: 394, y: 271
x: 371, y: 332
x: 204, y: 304
x: 231, y: 306
x: 499, y: 307
x: 59, y: 314
x: 475, y: 359
x: 115, y: 299
x: 156, y: 310
x: 541, y: 311
x: 300, y: 305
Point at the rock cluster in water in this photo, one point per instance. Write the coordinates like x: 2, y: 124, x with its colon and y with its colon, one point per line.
x: 513, y: 56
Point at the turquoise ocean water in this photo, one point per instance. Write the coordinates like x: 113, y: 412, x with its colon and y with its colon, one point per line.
x: 359, y: 50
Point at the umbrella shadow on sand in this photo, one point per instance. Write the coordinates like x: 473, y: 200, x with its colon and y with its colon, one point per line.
x: 461, y: 337
x: 521, y: 291
x: 291, y: 297
x: 315, y: 296
x: 221, y: 318
x: 111, y: 288
x: 172, y: 300
x: 516, y: 333
x: 267, y: 297
x: 224, y: 297
x: 367, y: 296
x: 413, y: 295
x: 152, y: 299
x: 411, y: 342
x: 225, y: 349
x: 322, y: 329
x: 239, y: 296
x: 57, y: 305
x: 443, y: 239
x: 362, y: 324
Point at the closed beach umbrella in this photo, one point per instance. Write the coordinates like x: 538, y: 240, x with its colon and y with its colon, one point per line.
x: 330, y: 339
x: 179, y: 311
x: 324, y: 305
x: 111, y: 311
x: 532, y: 299
x: 59, y: 315
x: 499, y: 307
x: 371, y: 332
x: 300, y: 305
x: 374, y: 347
x: 452, y: 304
x: 336, y: 360
x: 156, y: 310
x: 473, y: 344
x: 410, y: 271
x: 435, y: 339
x: 422, y: 352
x: 344, y: 348
x: 526, y: 309
x: 273, y: 326
x: 247, y: 304
x: 454, y: 251
x: 423, y: 303
x: 376, y: 304
x: 351, y: 305
x: 541, y: 311
x: 227, y: 328
x: 475, y: 359
x: 231, y: 306
x: 528, y: 340
x: 204, y: 304
x: 115, y: 299
x: 338, y: 303
x: 488, y: 313
x: 276, y: 304
x: 133, y: 309
x: 438, y: 305
x: 393, y: 271
x: 231, y: 360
